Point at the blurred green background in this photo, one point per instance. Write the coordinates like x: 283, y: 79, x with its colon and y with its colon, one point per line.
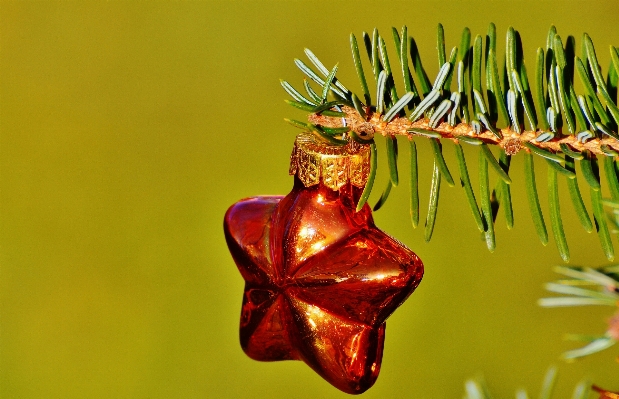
x: 128, y: 128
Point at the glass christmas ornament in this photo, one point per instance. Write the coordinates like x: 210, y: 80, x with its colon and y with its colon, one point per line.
x: 320, y: 277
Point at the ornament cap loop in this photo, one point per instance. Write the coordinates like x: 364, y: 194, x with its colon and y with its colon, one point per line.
x: 314, y: 162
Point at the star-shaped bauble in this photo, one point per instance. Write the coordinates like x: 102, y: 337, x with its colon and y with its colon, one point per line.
x: 320, y: 281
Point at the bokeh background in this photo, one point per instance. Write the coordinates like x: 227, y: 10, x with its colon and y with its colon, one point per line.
x: 128, y: 128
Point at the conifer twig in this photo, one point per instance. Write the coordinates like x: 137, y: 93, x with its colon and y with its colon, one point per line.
x: 511, y: 141
x: 468, y: 103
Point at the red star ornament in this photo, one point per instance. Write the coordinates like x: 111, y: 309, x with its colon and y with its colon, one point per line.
x: 320, y: 281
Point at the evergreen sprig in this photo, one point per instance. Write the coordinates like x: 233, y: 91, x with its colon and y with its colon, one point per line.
x: 585, y: 287
x: 472, y: 101
x: 477, y: 388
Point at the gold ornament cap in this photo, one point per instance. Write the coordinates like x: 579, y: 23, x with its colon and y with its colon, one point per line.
x: 314, y: 161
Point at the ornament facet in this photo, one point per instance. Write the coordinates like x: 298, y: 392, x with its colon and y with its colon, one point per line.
x: 320, y: 278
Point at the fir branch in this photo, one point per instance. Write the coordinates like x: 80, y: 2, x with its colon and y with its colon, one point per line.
x: 602, y: 288
x: 477, y: 388
x: 549, y: 120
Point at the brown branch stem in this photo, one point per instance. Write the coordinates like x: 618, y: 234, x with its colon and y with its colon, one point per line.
x: 512, y: 141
